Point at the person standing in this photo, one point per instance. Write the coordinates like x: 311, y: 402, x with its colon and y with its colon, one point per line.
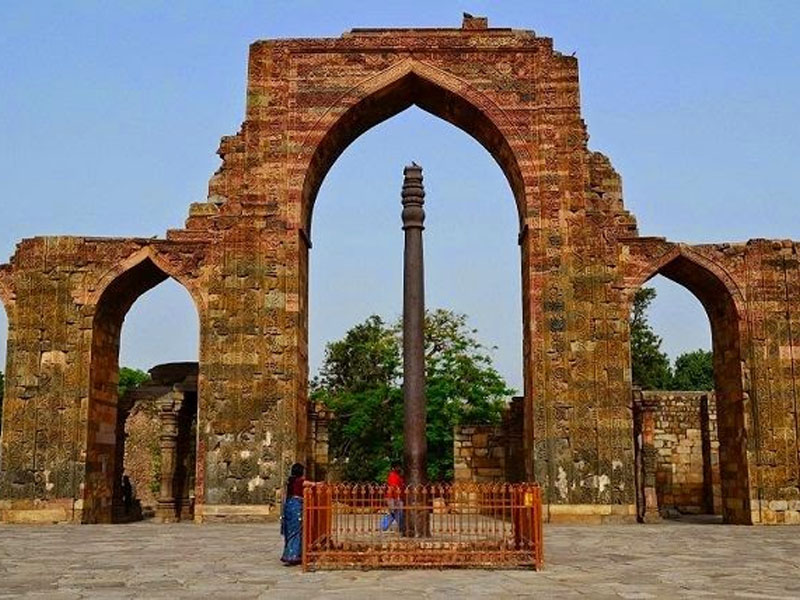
x: 127, y: 494
x: 292, y: 517
x: 395, y: 488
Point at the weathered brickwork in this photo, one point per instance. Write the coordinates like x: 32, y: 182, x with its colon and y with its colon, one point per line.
x: 484, y: 453
x: 142, y: 453
x: 243, y: 256
x: 679, y: 440
x: 319, y: 466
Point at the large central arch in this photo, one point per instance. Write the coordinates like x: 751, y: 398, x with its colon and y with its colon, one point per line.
x: 394, y: 90
x: 379, y: 98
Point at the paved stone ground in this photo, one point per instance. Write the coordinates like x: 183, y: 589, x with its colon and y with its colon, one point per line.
x: 145, y: 560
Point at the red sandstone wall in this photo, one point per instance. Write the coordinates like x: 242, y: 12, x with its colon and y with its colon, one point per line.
x: 244, y: 258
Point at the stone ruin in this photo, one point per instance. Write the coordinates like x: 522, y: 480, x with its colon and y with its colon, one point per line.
x: 243, y: 255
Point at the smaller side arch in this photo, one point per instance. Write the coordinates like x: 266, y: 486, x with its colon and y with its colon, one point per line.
x: 139, y: 260
x: 726, y: 308
x: 116, y: 291
x: 692, y: 270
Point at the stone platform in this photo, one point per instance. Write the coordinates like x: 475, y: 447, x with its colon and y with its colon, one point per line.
x: 145, y: 560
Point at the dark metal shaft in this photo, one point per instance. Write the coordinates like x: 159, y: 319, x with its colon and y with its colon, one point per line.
x: 414, y: 425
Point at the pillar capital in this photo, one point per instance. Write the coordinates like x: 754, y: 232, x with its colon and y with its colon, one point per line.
x: 413, y: 197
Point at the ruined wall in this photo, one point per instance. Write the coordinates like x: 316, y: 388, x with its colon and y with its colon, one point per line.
x: 319, y: 463
x: 60, y: 407
x: 479, y: 453
x: 244, y: 256
x: 750, y: 292
x: 683, y: 435
x: 769, y: 273
x: 143, y: 454
x: 485, y: 453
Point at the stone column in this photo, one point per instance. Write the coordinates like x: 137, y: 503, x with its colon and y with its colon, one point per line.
x: 413, y: 323
x: 414, y: 423
x: 169, y: 406
x: 119, y: 512
x: 645, y: 459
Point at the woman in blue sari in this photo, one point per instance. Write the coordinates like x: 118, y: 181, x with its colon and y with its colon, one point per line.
x: 292, y: 518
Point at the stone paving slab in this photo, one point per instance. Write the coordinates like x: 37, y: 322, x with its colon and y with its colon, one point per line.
x: 147, y: 560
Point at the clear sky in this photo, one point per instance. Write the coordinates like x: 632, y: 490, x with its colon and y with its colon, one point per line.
x: 110, y: 114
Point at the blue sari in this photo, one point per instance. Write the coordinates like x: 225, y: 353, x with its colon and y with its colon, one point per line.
x: 292, y: 530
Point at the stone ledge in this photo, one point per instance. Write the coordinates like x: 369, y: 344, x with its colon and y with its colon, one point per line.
x: 235, y: 513
x: 39, y: 512
x: 589, y: 514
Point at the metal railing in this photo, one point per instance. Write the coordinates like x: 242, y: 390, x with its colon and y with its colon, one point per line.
x: 487, y: 525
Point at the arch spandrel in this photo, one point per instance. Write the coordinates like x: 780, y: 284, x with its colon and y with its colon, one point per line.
x: 387, y: 93
x: 653, y: 256
x: 161, y: 259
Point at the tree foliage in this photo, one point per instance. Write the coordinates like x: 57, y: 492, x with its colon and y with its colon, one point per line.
x: 651, y: 366
x: 130, y: 378
x: 694, y: 371
x: 360, y: 381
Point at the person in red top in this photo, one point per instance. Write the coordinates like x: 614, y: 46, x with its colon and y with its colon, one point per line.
x: 395, y: 490
x: 292, y: 518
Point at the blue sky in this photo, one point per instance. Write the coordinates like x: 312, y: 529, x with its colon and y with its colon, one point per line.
x: 110, y: 114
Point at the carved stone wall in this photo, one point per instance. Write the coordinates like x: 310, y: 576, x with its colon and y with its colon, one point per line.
x: 244, y: 257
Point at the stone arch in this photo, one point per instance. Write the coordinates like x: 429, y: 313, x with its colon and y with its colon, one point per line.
x: 161, y: 262
x: 386, y: 94
x: 116, y: 293
x: 380, y: 97
x: 725, y: 306
x: 684, y: 254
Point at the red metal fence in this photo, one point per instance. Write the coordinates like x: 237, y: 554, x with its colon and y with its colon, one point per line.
x: 488, y: 525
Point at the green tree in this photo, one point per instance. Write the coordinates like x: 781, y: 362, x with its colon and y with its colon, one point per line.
x: 130, y: 378
x: 651, y: 366
x: 360, y: 382
x: 461, y: 386
x: 694, y: 371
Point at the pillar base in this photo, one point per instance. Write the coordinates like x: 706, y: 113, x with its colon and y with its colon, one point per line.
x: 165, y: 512
x: 651, y: 516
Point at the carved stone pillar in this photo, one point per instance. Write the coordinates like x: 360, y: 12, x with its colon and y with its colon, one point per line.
x: 645, y: 458
x: 169, y: 406
x: 120, y: 512
x: 417, y: 523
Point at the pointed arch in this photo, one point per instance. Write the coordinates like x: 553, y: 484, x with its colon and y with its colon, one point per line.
x: 725, y: 306
x: 382, y: 96
x: 150, y: 261
x: 115, y: 293
x: 705, y: 278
